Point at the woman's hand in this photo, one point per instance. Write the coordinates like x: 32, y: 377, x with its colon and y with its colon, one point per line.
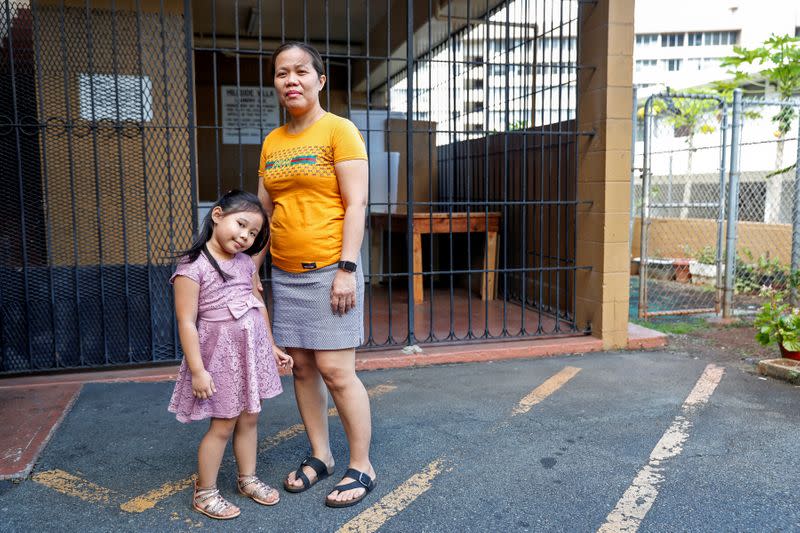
x: 282, y: 359
x: 203, y: 385
x: 343, y: 292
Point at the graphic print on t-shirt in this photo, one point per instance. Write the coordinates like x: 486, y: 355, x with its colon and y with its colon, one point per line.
x: 305, y: 160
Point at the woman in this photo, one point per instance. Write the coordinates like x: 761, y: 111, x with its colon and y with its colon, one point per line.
x: 313, y: 185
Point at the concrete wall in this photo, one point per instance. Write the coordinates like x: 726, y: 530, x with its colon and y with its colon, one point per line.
x: 676, y: 238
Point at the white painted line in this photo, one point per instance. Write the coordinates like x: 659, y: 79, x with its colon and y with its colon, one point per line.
x: 638, y: 499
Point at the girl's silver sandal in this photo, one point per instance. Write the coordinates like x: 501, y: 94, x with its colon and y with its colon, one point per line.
x: 211, y: 503
x: 258, y: 491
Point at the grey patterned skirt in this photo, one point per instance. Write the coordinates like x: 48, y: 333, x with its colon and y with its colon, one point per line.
x: 302, y: 316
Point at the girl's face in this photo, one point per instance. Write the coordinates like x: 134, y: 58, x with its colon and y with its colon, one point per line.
x: 235, y: 232
x: 296, y: 82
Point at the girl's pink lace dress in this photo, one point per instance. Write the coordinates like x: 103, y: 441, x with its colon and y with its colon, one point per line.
x: 234, y: 343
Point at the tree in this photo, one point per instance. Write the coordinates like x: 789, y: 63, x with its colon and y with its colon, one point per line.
x: 774, y: 64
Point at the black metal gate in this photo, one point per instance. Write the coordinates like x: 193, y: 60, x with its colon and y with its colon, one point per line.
x: 97, y: 158
x: 124, y: 122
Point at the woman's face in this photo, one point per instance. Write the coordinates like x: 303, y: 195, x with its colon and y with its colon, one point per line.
x: 297, y: 83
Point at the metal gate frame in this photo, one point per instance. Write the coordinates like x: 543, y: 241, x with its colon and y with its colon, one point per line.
x: 646, y: 176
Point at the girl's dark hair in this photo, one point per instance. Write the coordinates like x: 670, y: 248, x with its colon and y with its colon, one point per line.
x: 234, y: 201
x: 316, y: 59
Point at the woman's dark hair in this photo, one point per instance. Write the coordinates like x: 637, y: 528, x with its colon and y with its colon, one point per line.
x: 234, y: 201
x: 316, y: 59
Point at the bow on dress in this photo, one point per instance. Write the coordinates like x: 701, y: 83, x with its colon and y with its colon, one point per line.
x: 236, y: 308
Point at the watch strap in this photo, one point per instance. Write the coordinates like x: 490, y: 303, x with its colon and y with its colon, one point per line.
x: 348, y: 266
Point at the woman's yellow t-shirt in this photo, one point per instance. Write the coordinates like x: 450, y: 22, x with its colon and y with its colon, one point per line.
x: 298, y: 173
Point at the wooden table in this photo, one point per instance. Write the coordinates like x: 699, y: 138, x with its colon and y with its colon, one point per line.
x: 431, y: 223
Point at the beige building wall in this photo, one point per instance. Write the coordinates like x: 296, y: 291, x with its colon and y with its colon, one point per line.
x: 112, y: 197
x: 606, y: 51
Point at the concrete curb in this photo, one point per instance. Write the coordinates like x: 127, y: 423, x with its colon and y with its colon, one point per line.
x: 785, y: 369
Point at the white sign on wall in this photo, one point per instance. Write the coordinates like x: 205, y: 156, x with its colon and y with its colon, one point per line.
x: 244, y: 119
x: 121, y: 97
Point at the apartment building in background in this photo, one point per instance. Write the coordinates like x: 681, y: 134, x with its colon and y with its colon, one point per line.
x: 680, y: 44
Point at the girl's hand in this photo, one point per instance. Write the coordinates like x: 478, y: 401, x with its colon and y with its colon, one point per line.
x: 343, y: 292
x: 203, y: 385
x: 283, y: 359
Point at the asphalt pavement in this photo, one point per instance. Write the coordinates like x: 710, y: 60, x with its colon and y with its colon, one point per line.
x: 647, y: 441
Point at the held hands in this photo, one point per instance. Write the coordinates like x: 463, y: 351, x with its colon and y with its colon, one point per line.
x: 343, y: 292
x: 203, y: 385
x: 283, y: 359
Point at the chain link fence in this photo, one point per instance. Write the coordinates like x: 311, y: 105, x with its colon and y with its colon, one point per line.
x: 703, y: 164
x: 767, y: 212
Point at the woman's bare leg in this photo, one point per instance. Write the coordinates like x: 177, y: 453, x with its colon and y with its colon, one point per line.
x: 312, y: 401
x: 338, y: 370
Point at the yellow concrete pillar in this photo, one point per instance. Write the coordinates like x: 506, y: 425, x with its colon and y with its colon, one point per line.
x: 604, y: 106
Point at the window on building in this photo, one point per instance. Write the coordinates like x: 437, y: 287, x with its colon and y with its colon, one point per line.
x: 695, y: 39
x: 673, y: 65
x: 470, y: 83
x: 474, y: 127
x: 646, y: 65
x: 700, y: 193
x: 672, y: 39
x: 711, y: 63
x: 694, y: 64
x: 797, y: 31
x: 474, y: 107
x: 646, y: 39
x: 496, y: 46
x: 752, y: 201
x: 104, y: 96
x: 720, y: 38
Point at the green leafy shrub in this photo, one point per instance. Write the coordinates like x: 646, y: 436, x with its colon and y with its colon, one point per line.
x: 778, y: 321
x: 750, y: 275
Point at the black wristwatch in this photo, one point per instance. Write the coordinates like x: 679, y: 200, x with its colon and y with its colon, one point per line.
x: 348, y: 266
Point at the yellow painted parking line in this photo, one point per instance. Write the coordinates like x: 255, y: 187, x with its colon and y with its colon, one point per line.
x: 150, y: 499
x: 71, y: 485
x: 544, y: 390
x: 637, y: 500
x: 374, y: 517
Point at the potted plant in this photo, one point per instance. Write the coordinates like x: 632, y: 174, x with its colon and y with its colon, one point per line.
x: 779, y: 321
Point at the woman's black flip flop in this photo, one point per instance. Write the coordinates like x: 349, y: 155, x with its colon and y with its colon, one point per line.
x: 320, y: 468
x: 362, y: 481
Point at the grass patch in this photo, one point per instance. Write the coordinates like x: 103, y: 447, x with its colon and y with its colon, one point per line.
x: 674, y: 327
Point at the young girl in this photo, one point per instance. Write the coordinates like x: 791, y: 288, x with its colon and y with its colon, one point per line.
x: 230, y: 362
